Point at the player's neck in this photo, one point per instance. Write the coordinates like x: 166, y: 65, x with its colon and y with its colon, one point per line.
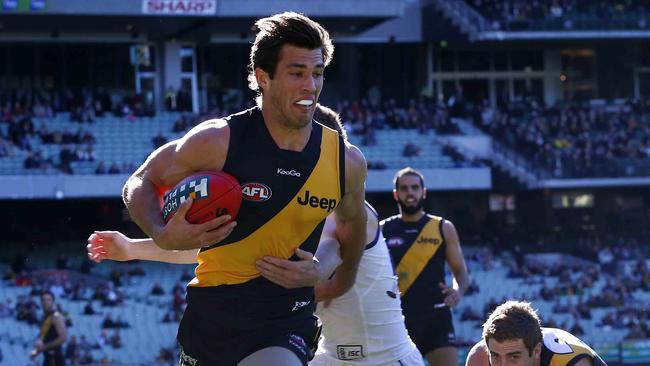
x: 412, y: 217
x: 285, y: 137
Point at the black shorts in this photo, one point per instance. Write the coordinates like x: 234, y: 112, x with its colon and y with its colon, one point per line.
x: 53, y: 358
x: 215, y: 330
x: 432, y: 331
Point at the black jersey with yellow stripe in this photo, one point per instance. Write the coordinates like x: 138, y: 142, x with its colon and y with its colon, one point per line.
x: 561, y: 348
x: 286, y: 197
x: 417, y: 250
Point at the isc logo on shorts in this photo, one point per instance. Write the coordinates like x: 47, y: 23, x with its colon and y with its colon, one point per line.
x: 256, y: 192
x: 349, y: 352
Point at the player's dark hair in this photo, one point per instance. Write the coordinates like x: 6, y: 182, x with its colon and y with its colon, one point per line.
x: 407, y: 171
x: 281, y: 29
x: 47, y: 292
x: 514, y: 320
x: 329, y: 118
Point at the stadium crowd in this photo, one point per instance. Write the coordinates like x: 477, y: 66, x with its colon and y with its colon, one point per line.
x: 511, y: 14
x: 574, y: 140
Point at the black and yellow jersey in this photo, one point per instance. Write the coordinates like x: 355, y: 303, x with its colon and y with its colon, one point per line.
x: 286, y: 197
x: 561, y: 348
x: 418, y: 253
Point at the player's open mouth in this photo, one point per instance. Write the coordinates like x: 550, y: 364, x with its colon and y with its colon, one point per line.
x: 304, y: 104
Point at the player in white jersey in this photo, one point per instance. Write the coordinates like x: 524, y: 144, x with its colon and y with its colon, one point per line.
x: 365, y: 326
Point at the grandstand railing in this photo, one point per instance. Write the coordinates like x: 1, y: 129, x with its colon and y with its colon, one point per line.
x: 464, y: 16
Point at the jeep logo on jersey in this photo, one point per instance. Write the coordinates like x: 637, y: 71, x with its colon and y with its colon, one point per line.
x: 316, y: 202
x: 196, y: 189
x: 425, y: 240
x: 394, y: 242
x: 291, y: 172
x: 256, y: 192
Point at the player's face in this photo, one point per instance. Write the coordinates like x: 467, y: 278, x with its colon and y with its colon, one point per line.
x: 512, y: 353
x: 296, y: 85
x: 47, y: 302
x: 410, y: 194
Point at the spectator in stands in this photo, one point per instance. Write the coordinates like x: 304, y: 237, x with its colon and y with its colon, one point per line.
x: 159, y: 140
x: 89, y: 310
x: 181, y: 124
x: 411, y: 150
x: 114, y: 169
x: 101, y: 168
x: 116, y: 339
x: 166, y: 355
x: 72, y: 351
x: 108, y: 322
x: 157, y: 290
x: 6, y: 309
x: 86, y: 358
x: 171, y: 103
x: 6, y: 148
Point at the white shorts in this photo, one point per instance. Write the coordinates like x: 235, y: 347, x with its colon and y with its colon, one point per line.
x: 413, y: 359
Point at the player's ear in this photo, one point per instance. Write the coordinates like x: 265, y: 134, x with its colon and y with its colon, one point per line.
x: 537, y: 351
x: 395, y: 194
x: 424, y: 192
x: 262, y: 78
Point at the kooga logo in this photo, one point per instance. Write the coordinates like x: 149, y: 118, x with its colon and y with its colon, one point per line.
x: 291, y: 172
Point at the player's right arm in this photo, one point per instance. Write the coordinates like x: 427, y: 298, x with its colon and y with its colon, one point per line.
x: 203, y: 148
x: 113, y: 245
x: 478, y: 355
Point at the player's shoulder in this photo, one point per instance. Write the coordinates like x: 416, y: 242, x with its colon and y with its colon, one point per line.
x: 354, y: 158
x: 478, y: 355
x: 220, y: 127
x: 391, y: 221
x: 566, y: 347
x: 355, y: 167
x: 208, y: 131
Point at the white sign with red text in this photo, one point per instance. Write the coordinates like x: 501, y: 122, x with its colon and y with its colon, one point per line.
x: 179, y: 7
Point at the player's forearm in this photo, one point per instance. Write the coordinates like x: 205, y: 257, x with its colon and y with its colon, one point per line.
x: 461, y: 282
x: 352, y: 236
x: 146, y: 249
x: 142, y: 201
x: 329, y: 257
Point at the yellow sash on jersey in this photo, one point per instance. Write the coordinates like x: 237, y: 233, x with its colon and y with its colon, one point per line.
x: 419, y: 254
x: 45, y: 327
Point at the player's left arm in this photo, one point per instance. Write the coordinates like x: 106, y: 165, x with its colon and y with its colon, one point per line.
x: 457, y: 264
x: 350, y: 217
x: 113, y: 245
x: 59, y: 325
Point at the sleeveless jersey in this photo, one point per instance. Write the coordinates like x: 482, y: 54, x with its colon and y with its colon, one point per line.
x: 365, y: 326
x: 48, y: 332
x: 286, y: 197
x: 418, y: 251
x: 561, y: 348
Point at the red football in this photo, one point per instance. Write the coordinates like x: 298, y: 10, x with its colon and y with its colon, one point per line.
x: 215, y: 193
